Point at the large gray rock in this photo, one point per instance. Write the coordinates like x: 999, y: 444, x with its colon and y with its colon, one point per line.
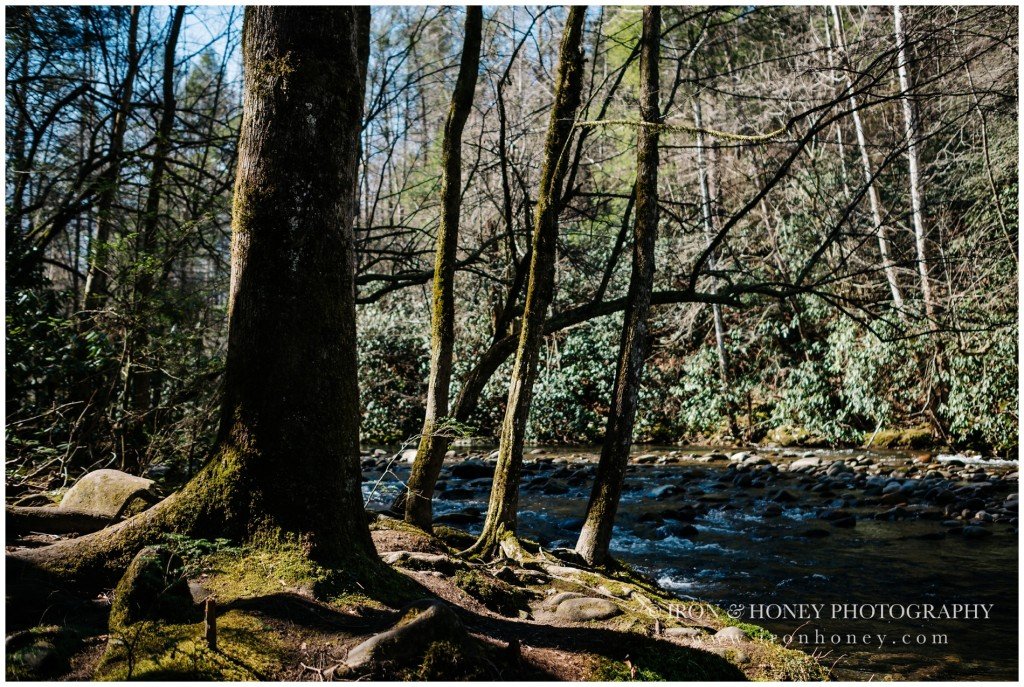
x: 586, y: 609
x: 110, y: 493
x: 803, y: 463
x: 553, y: 601
x: 422, y: 623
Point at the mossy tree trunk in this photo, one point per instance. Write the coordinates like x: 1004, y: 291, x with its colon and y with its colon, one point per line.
x: 504, y: 500
x: 596, y: 534
x: 287, y: 457
x: 433, y: 445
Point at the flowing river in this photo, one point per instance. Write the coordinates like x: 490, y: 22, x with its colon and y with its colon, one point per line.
x: 882, y: 564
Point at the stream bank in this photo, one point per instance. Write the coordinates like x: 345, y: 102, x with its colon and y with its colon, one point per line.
x: 792, y: 527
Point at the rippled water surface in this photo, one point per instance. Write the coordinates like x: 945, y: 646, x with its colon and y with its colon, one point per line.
x: 739, y: 558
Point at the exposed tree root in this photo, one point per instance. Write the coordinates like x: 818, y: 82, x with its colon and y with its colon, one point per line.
x: 52, y: 520
x: 504, y: 546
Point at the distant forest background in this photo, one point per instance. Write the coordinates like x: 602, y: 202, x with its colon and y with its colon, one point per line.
x: 851, y: 318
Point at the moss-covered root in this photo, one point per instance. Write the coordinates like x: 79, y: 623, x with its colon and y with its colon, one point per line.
x: 502, y: 545
x: 99, y: 559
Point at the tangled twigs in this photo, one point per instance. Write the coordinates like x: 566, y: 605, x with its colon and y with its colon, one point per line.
x: 686, y: 128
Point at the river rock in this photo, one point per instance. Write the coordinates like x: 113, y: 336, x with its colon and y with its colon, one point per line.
x: 110, y: 493
x: 976, y: 532
x: 814, y: 534
x: 586, y: 609
x: 805, y: 463
x: 836, y: 467
x: 783, y: 496
x: 679, y: 530
x: 663, y: 492
x: 471, y: 469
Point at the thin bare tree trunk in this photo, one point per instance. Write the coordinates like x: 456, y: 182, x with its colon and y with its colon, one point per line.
x: 841, y: 147
x: 433, y: 445
x: 501, y: 520
x: 884, y: 247
x: 596, y: 534
x: 912, y: 135
x: 708, y: 218
x: 97, y: 278
x: 142, y: 379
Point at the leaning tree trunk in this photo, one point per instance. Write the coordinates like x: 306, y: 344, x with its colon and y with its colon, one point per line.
x: 504, y: 501
x: 916, y: 201
x: 884, y: 246
x: 287, y: 457
x: 433, y: 443
x: 96, y: 279
x: 596, y: 534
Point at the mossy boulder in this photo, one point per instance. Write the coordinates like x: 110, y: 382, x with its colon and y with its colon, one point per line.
x: 586, y: 609
x: 915, y: 437
x: 153, y: 588
x: 110, y: 493
x: 794, y: 436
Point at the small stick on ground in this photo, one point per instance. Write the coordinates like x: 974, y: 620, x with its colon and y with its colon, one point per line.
x: 211, y: 623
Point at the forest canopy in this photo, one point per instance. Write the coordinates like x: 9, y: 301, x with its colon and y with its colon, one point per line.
x: 809, y: 286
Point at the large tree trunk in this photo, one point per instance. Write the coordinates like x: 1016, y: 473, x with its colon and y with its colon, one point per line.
x: 287, y: 458
x: 596, y: 534
x: 504, y: 501
x: 916, y: 200
x: 97, y: 278
x: 434, y: 444
x: 884, y: 248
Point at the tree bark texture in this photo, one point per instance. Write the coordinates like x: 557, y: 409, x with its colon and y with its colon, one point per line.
x: 433, y: 445
x: 287, y: 458
x: 596, y: 534
x: 504, y: 500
